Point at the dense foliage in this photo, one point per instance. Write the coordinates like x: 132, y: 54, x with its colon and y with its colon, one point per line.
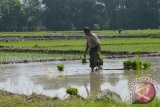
x: 35, y: 15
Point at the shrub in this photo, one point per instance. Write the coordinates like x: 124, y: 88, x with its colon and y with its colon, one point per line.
x: 60, y: 67
x: 72, y: 91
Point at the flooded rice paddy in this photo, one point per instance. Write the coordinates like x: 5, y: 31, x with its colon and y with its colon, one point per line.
x: 44, y: 78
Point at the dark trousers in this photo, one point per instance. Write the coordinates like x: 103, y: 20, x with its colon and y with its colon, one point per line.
x: 95, y: 59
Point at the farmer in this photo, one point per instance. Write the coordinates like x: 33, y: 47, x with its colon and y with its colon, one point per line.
x: 93, y: 45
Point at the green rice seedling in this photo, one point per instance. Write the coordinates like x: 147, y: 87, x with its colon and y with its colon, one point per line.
x: 35, y: 45
x: 127, y: 65
x: 137, y: 65
x: 84, y: 60
x: 60, y: 67
x: 147, y: 65
x: 72, y: 91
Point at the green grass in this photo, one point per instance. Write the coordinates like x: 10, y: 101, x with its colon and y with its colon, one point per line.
x: 130, y: 44
x: 34, y: 100
x: 76, y: 33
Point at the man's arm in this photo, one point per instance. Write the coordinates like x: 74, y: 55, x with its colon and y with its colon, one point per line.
x: 86, y: 49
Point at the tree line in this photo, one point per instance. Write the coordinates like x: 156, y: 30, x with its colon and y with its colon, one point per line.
x: 36, y: 15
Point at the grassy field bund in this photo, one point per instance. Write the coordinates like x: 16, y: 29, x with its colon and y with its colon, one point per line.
x: 15, y: 100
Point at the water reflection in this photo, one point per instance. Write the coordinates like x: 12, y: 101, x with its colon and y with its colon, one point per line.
x: 96, y: 80
x: 61, y: 81
x: 114, y: 80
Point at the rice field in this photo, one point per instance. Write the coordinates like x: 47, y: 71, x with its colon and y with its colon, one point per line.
x: 27, y: 56
x: 110, y: 44
x: 76, y: 33
x: 72, y: 45
x: 119, y: 44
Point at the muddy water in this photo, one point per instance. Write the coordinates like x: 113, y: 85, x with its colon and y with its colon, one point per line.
x: 44, y: 78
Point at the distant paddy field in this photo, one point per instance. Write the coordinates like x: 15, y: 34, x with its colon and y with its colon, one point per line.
x: 20, y: 46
